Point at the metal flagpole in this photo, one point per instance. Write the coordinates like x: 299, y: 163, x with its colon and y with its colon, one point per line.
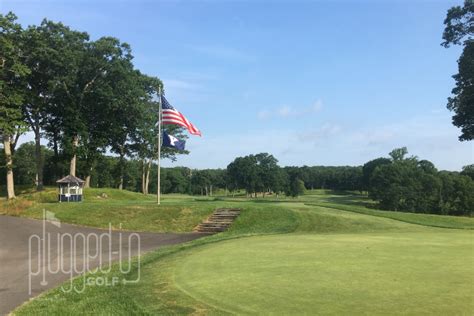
x: 158, y: 192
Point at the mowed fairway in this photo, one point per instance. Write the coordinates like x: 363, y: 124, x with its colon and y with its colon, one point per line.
x: 414, y: 273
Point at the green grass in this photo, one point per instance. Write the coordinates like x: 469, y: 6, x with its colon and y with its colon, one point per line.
x: 125, y: 209
x: 358, y: 204
x: 282, y: 256
x: 332, y: 274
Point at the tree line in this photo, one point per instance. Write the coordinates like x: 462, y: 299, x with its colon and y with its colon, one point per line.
x: 398, y: 182
x: 84, y: 96
x: 408, y: 184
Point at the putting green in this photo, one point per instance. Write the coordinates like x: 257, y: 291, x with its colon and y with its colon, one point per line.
x: 411, y: 273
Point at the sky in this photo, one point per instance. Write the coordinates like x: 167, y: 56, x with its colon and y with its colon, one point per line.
x: 311, y: 82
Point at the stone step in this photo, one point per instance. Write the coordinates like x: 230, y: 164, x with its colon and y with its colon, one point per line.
x: 218, y: 221
x: 214, y: 224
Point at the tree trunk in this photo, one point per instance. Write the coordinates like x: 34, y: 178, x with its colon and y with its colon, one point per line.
x: 147, y: 179
x: 39, y: 160
x: 9, y: 161
x: 210, y: 194
x: 120, y: 187
x: 121, y: 162
x: 56, y: 157
x: 72, y: 166
x: 143, y: 176
x: 207, y: 190
x: 87, y: 184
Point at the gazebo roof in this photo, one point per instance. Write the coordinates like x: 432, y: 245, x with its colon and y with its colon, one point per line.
x: 70, y: 179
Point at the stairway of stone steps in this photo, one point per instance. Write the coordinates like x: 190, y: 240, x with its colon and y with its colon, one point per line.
x: 219, y: 221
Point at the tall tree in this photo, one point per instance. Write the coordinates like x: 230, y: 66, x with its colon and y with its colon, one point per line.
x: 398, y: 154
x: 143, y: 138
x: 12, y: 90
x: 369, y: 168
x: 70, y: 80
x: 117, y: 88
x: 468, y: 171
x: 459, y: 30
x: 243, y: 174
x: 49, y: 50
x: 269, y: 172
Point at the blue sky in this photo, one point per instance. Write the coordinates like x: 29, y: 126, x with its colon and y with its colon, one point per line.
x: 312, y: 82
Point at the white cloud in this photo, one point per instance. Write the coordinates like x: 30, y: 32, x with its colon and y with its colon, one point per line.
x: 177, y: 84
x: 224, y: 52
x: 264, y: 114
x: 429, y: 137
x: 316, y: 107
x: 326, y: 131
x: 287, y: 111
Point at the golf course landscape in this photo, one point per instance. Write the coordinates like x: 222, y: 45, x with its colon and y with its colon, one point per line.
x: 321, y: 253
x: 235, y: 157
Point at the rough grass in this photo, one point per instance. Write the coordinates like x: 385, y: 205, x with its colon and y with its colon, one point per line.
x: 281, y: 256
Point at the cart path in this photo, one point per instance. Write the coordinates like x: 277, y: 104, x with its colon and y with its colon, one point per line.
x: 15, y: 233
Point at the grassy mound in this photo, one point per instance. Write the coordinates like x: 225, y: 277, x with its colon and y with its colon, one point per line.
x: 119, y: 208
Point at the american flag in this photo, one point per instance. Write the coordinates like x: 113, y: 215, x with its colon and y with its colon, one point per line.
x: 172, y: 116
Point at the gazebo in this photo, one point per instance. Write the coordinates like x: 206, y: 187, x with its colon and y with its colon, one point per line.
x: 70, y: 189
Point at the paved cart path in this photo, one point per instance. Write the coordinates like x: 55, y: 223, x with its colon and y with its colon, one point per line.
x: 15, y: 251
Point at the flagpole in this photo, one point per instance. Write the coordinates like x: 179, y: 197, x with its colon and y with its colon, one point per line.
x: 158, y: 190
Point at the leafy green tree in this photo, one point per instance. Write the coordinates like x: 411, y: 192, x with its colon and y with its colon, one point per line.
x: 410, y: 185
x: 280, y: 181
x: 177, y: 179
x: 456, y: 194
x: 103, y: 173
x: 468, y: 171
x: 427, y: 166
x: 201, y: 181
x: 268, y: 172
x: 459, y: 30
x: 369, y: 168
x: 144, y: 137
x: 295, y: 187
x: 398, y: 154
x: 118, y: 89
x: 244, y: 174
x: 255, y: 173
x: 12, y: 90
x: 49, y: 51
x: 25, y: 163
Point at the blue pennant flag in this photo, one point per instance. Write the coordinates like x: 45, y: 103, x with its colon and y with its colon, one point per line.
x: 172, y: 142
